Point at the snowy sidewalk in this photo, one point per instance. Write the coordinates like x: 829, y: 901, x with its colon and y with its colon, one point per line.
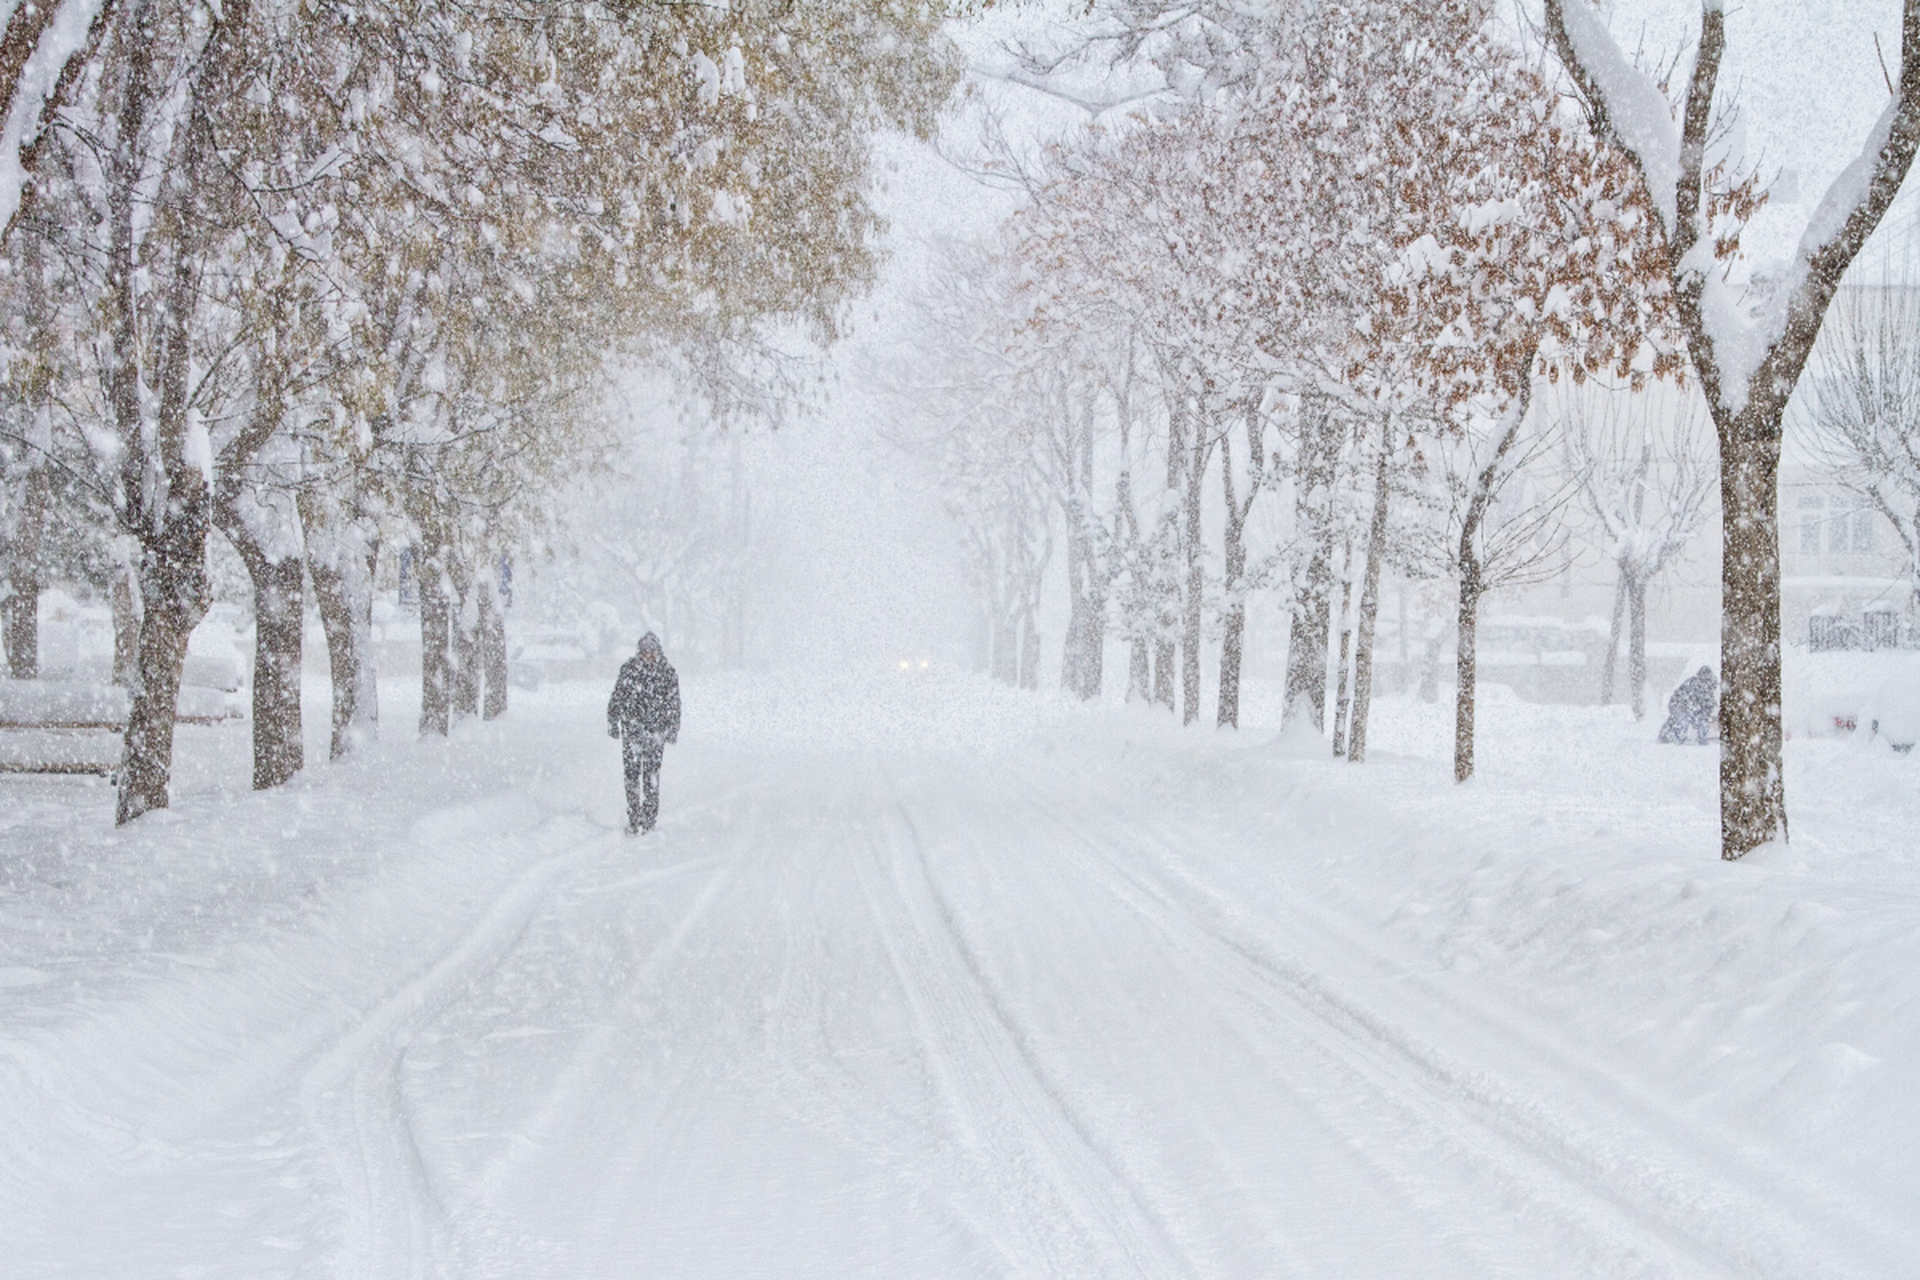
x: 948, y: 981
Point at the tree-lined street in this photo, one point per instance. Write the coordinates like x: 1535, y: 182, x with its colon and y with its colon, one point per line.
x: 860, y: 1010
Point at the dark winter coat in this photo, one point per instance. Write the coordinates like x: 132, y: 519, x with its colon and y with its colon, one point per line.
x: 1692, y: 703
x: 646, y: 699
x: 1690, y: 709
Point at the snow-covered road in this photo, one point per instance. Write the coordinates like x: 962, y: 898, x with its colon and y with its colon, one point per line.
x: 1042, y: 1000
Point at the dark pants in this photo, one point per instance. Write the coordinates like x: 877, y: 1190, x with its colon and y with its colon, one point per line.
x: 1677, y: 727
x: 640, y: 756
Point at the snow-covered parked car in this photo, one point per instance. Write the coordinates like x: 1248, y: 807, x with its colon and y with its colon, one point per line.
x: 217, y: 651
x: 76, y: 644
x: 1870, y: 695
x: 538, y: 653
x: 1895, y: 709
x: 75, y: 637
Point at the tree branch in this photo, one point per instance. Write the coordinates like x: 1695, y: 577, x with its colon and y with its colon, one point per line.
x: 1623, y: 104
x: 1686, y: 228
x: 1831, y: 242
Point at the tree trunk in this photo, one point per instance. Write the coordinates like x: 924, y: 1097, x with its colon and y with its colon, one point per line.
x: 170, y: 518
x: 1753, y: 807
x: 126, y: 627
x: 175, y: 592
x: 1166, y: 648
x: 1005, y: 642
x: 360, y: 579
x: 340, y: 564
x: 1139, y: 670
x: 1430, y: 665
x: 1463, y: 707
x: 1080, y: 656
x: 1306, y: 688
x: 1340, y: 704
x: 1070, y: 652
x: 278, y: 748
x: 21, y: 613
x: 1164, y: 655
x: 1029, y: 650
x: 1612, y: 659
x: 1473, y: 583
x: 1232, y: 638
x: 26, y: 579
x: 493, y: 652
x: 33, y: 378
x: 1094, y: 672
x: 466, y: 637
x: 1370, y: 602
x: 173, y: 582
x: 1191, y: 615
x: 1637, y: 645
x: 332, y: 600
x: 436, y: 670
x: 1086, y: 580
x: 1127, y: 525
x: 278, y: 623
x: 1312, y: 623
x: 1234, y: 558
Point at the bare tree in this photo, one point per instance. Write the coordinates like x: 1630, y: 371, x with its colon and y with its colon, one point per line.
x: 342, y: 543
x: 1500, y: 534
x: 994, y: 415
x: 1370, y: 592
x: 1866, y: 404
x: 1238, y: 501
x: 254, y: 506
x: 1647, y: 480
x: 1747, y: 367
x: 1194, y: 427
x: 1320, y: 439
x: 154, y: 332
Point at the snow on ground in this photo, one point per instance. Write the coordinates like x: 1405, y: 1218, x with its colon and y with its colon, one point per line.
x: 920, y: 976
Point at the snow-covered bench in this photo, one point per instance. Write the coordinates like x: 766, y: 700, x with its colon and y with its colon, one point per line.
x: 64, y: 726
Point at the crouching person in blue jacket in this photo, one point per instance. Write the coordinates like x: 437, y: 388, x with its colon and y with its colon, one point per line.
x: 1690, y: 709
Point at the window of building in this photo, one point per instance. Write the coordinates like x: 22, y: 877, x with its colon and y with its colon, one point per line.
x: 1863, y: 531
x: 1810, y: 522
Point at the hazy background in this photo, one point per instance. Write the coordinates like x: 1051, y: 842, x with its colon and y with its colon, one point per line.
x: 852, y: 558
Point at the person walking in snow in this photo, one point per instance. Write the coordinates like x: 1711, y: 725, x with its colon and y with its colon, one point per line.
x: 1691, y: 707
x: 644, y: 713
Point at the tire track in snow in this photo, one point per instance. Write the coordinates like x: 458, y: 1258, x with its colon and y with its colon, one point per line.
x: 574, y: 1086
x: 1640, y: 1200
x: 1293, y: 995
x: 1007, y: 1113
x: 1507, y: 1149
x: 809, y: 889
x: 1341, y: 1171
x: 1284, y: 1186
x: 354, y: 1098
